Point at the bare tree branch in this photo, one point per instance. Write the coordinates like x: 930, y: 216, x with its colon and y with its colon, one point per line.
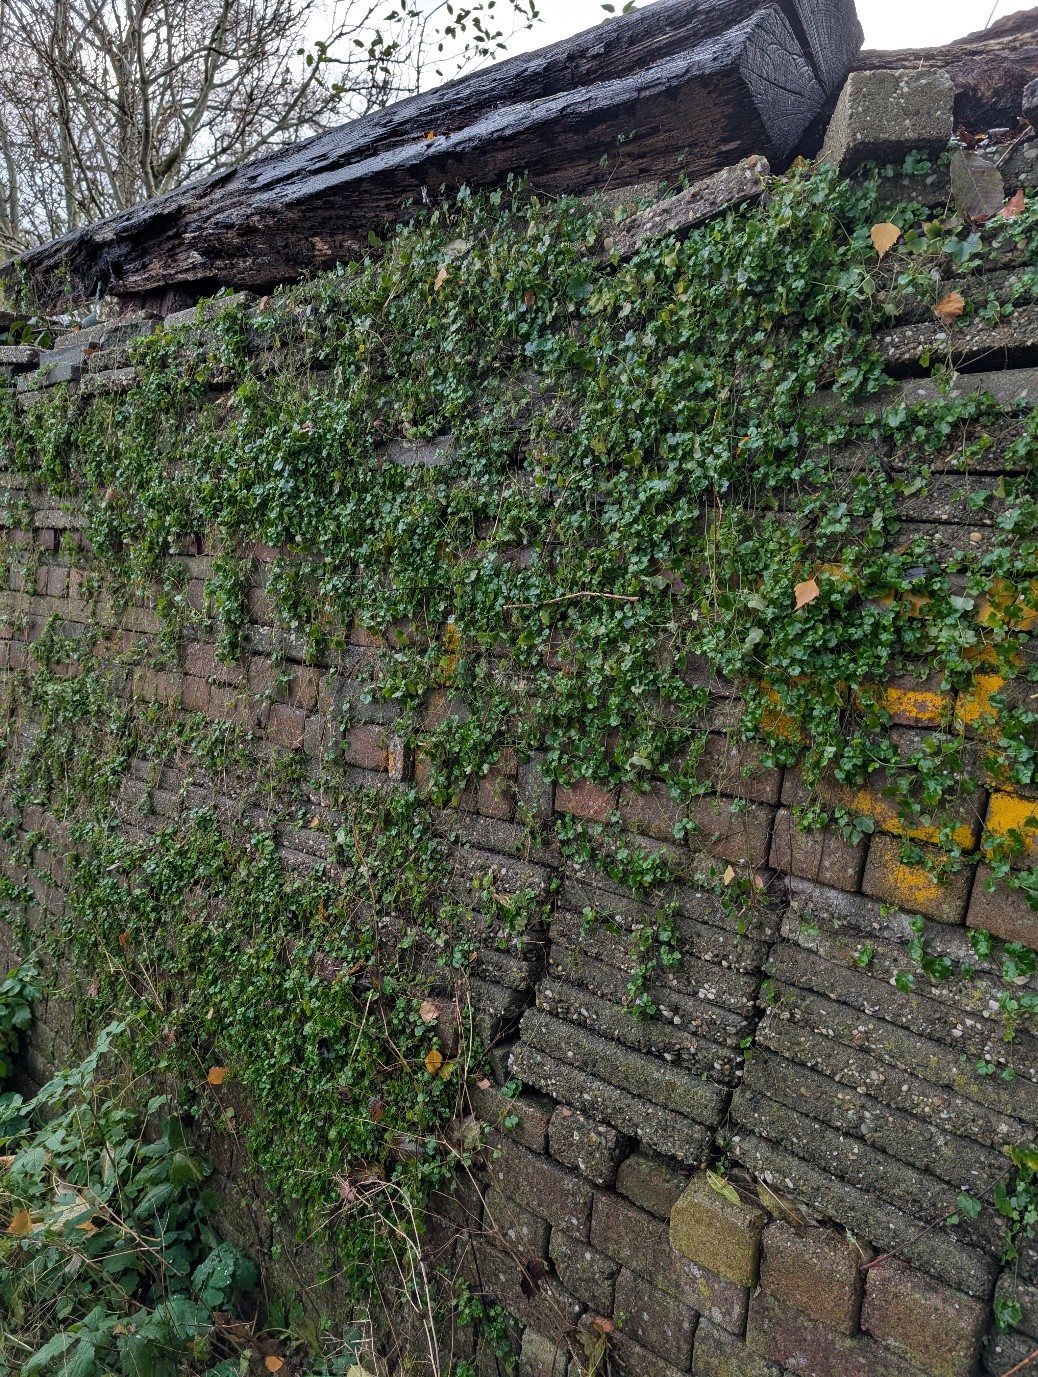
x: 105, y: 103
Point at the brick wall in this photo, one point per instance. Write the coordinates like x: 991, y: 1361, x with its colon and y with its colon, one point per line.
x: 850, y: 1107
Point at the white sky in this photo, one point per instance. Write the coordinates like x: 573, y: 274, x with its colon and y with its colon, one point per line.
x: 887, y: 23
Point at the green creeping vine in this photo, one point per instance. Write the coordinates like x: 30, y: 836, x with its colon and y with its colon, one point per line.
x: 638, y: 475
x: 18, y: 993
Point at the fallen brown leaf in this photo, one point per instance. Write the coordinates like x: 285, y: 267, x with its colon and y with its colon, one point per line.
x: 806, y: 592
x: 884, y: 236
x: 950, y: 308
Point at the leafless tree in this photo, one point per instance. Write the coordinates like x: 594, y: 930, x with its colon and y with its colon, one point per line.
x: 104, y: 103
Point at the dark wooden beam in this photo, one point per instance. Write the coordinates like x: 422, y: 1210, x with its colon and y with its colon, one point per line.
x: 989, y: 69
x: 684, y: 87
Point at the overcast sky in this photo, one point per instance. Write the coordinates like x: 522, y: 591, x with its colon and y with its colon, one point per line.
x: 887, y: 23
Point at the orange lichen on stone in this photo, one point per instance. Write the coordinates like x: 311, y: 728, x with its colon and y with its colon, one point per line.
x: 885, y: 814
x: 1012, y: 821
x: 974, y: 710
x: 1004, y: 604
x: 925, y: 707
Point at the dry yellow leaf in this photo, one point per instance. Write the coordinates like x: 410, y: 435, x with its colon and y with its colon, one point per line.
x: 428, y: 1012
x: 273, y: 1363
x: 806, y: 592
x: 441, y: 278
x: 729, y: 875
x: 949, y: 308
x: 433, y: 1062
x: 217, y: 1075
x: 884, y: 236
x: 21, y: 1225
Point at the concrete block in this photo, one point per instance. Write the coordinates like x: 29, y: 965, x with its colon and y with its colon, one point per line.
x: 653, y: 1319
x: 709, y: 1229
x: 912, y: 887
x: 817, y: 1271
x: 584, y: 1271
x: 926, y: 1324
x: 648, y: 1181
x: 883, y: 116
x: 716, y: 1353
x: 591, y: 1148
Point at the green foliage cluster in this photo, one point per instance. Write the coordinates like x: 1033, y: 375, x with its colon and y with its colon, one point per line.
x: 639, y: 472
x: 18, y: 993
x: 108, y: 1263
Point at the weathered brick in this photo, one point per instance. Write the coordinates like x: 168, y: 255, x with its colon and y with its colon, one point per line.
x: 648, y: 1181
x: 196, y: 694
x: 534, y: 790
x: 539, y: 1185
x: 584, y: 1271
x: 931, y: 1326
x: 914, y: 702
x: 1005, y: 912
x: 586, y: 800
x: 717, y: 1233
x: 794, y: 1341
x: 820, y: 855
x: 541, y: 1302
x: 731, y: 830
x: 542, y: 1357
x: 653, y: 813
x: 531, y: 1112
x: 592, y: 1149
x: 653, y: 1319
x: 48, y: 538
x: 285, y: 726
x: 524, y: 1233
x: 912, y: 887
x: 817, y: 1271
x: 735, y: 767
x: 642, y: 1244
x: 303, y: 688
x: 716, y: 1353
x: 366, y: 748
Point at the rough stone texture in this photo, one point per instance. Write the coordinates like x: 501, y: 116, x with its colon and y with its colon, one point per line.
x: 817, y: 1271
x: 592, y: 1149
x: 930, y: 1326
x: 540, y: 1186
x: 912, y: 887
x: 799, y: 1344
x: 542, y: 1357
x: 715, y: 1232
x: 716, y: 1353
x: 584, y: 1271
x: 653, y: 1319
x: 881, y: 117
x: 649, y: 1182
x: 977, y: 188
x: 531, y: 1112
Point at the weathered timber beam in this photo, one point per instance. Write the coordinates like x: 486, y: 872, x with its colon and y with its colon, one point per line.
x: 746, y: 90
x: 989, y: 69
x: 684, y: 87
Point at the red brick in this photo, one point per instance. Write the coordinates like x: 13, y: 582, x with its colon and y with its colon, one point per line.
x: 262, y: 676
x: 228, y: 704
x: 261, y: 610
x: 40, y: 580
x: 531, y: 1111
x: 545, y: 1306
x: 642, y: 1243
x: 196, y: 594
x: 365, y: 747
x: 585, y: 800
x: 57, y: 581
x: 632, y: 1360
x: 200, y: 659
x: 822, y: 856
x: 495, y: 793
x: 817, y: 1271
x: 731, y: 831
x: 656, y: 1321
x: 47, y: 538
x: 1002, y: 911
x: 911, y: 887
x: 536, y: 1183
x: 735, y: 767
x: 793, y: 1340
x: 303, y: 687
x: 652, y: 814
x: 285, y: 726
x: 649, y: 1182
x: 937, y: 1329
x: 196, y: 694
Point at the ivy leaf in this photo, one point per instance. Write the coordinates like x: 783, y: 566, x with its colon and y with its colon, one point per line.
x: 806, y: 592
x: 949, y: 308
x: 884, y: 236
x: 723, y: 1187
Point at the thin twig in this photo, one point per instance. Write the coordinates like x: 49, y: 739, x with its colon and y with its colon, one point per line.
x: 568, y: 597
x: 1031, y: 1357
x: 909, y: 1242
